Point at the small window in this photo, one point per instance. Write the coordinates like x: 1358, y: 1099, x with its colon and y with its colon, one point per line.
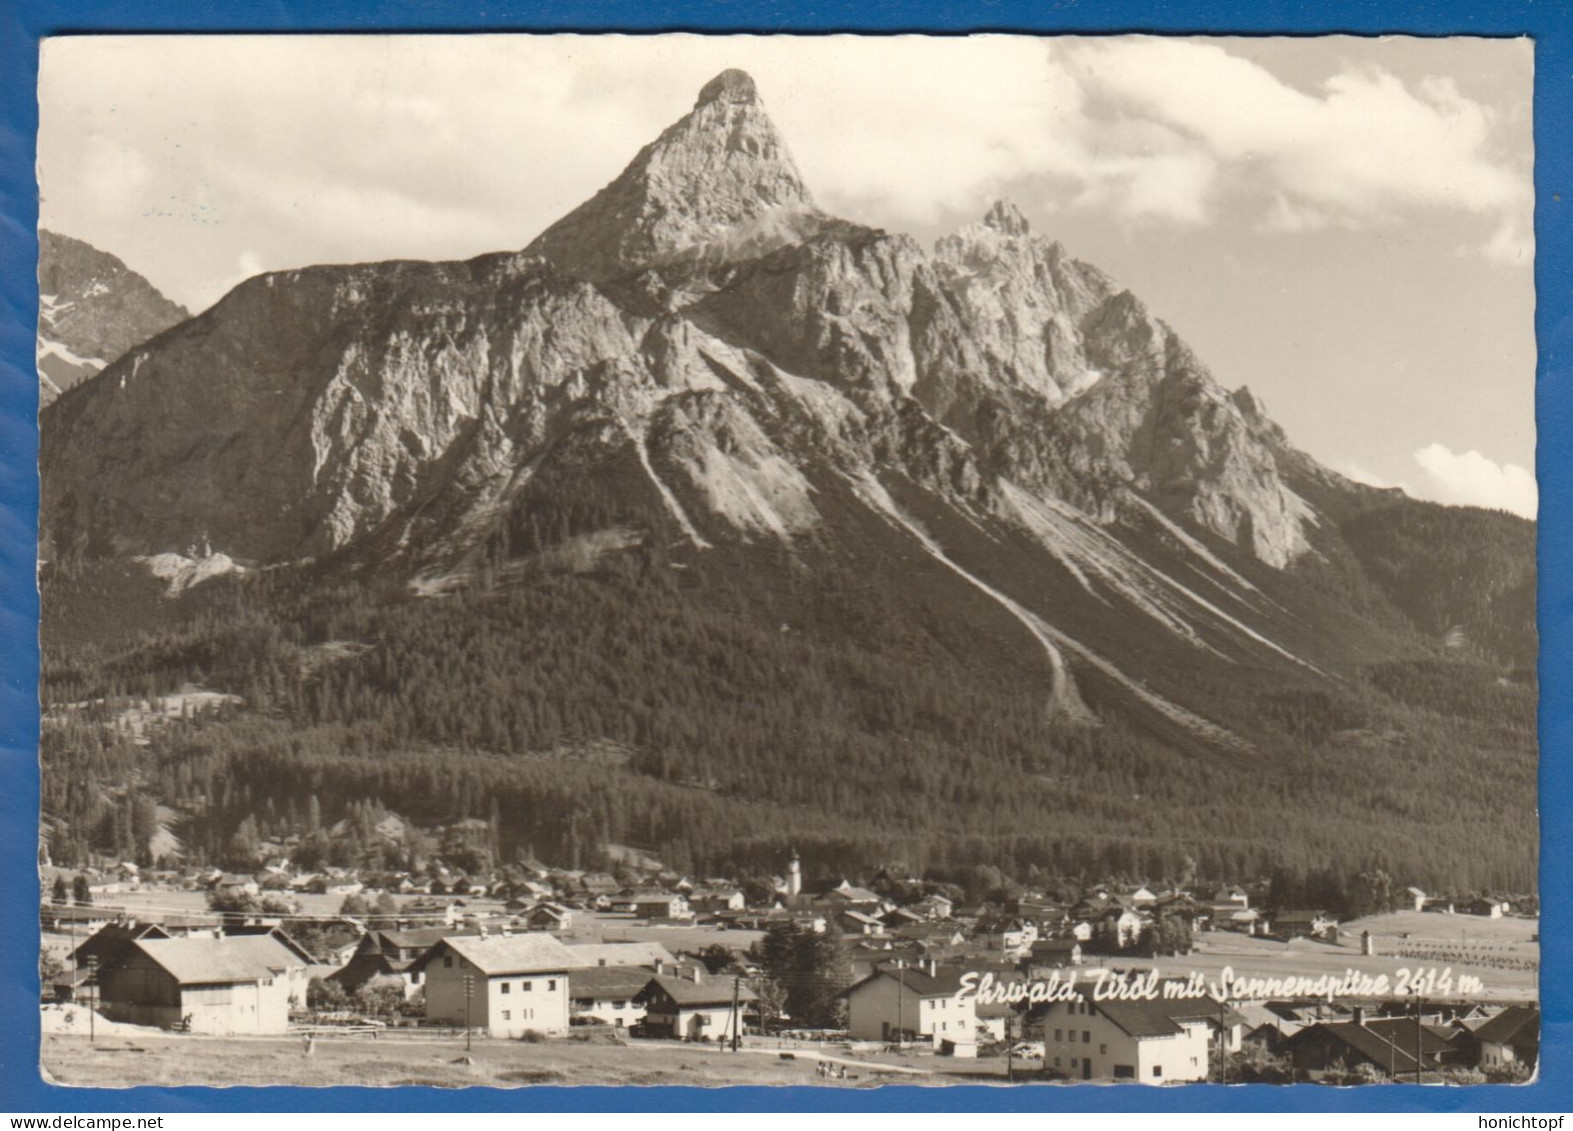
x: 1086, y: 1037
x: 1157, y: 1070
x: 1103, y: 1050
x: 1070, y: 1036
x: 524, y: 987
x: 1075, y: 1063
x: 551, y: 983
x: 1058, y: 1036
x: 619, y: 1005
x: 506, y: 1015
x: 1056, y: 1062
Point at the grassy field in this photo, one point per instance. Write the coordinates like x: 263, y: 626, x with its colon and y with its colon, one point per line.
x: 590, y: 927
x: 1499, y: 952
x: 121, y: 1061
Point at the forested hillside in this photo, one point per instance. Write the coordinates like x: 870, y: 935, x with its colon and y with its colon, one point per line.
x: 719, y: 707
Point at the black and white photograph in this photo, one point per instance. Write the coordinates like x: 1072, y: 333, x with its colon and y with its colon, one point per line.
x: 833, y: 561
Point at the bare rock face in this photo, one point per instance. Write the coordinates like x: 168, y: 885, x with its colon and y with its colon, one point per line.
x: 1072, y: 386
x: 834, y: 308
x: 717, y: 186
x: 1004, y: 311
x: 306, y: 407
x: 93, y: 308
x: 698, y: 321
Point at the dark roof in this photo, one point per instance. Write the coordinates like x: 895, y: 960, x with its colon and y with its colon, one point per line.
x: 416, y: 938
x: 944, y: 982
x: 709, y: 990
x: 1509, y: 1025
x: 596, y: 982
x: 1369, y: 1041
x: 106, y: 943
x: 1402, y: 1029
x: 1158, y: 1018
x: 1162, y: 1017
x: 1055, y: 946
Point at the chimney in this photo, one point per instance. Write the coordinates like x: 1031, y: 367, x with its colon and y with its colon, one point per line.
x: 660, y: 966
x: 695, y: 974
x: 933, y: 967
x: 1359, y: 1017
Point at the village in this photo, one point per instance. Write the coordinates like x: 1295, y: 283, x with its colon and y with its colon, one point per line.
x: 823, y: 982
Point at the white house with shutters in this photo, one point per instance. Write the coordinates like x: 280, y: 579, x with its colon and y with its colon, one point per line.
x: 501, y: 985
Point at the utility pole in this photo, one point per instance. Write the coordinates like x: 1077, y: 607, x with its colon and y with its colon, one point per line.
x: 901, y: 992
x: 92, y: 1002
x: 1419, y: 1001
x: 1223, y: 1045
x: 469, y: 994
x: 736, y: 1031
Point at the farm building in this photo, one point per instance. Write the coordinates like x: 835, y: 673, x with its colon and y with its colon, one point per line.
x: 224, y: 986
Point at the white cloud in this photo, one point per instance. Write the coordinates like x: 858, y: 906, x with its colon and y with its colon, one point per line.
x: 1365, y: 149
x: 1470, y: 479
x: 412, y: 146
x: 1360, y: 474
x: 1512, y: 244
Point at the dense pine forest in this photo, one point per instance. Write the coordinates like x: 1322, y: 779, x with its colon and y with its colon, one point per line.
x: 585, y: 685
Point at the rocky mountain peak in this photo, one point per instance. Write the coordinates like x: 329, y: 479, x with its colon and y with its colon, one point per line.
x: 731, y: 85
x: 92, y: 309
x: 1007, y: 218
x: 717, y: 185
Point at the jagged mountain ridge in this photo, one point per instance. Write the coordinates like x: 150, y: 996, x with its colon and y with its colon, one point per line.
x: 702, y: 336
x: 92, y: 309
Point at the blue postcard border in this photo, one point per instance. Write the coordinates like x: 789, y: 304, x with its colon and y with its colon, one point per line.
x: 24, y: 23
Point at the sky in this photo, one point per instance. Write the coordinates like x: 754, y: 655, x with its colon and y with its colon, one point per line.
x: 1342, y: 224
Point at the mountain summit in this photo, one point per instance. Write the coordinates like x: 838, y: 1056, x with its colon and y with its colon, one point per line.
x: 92, y: 309
x: 713, y: 523
x: 718, y: 184
x: 740, y: 373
